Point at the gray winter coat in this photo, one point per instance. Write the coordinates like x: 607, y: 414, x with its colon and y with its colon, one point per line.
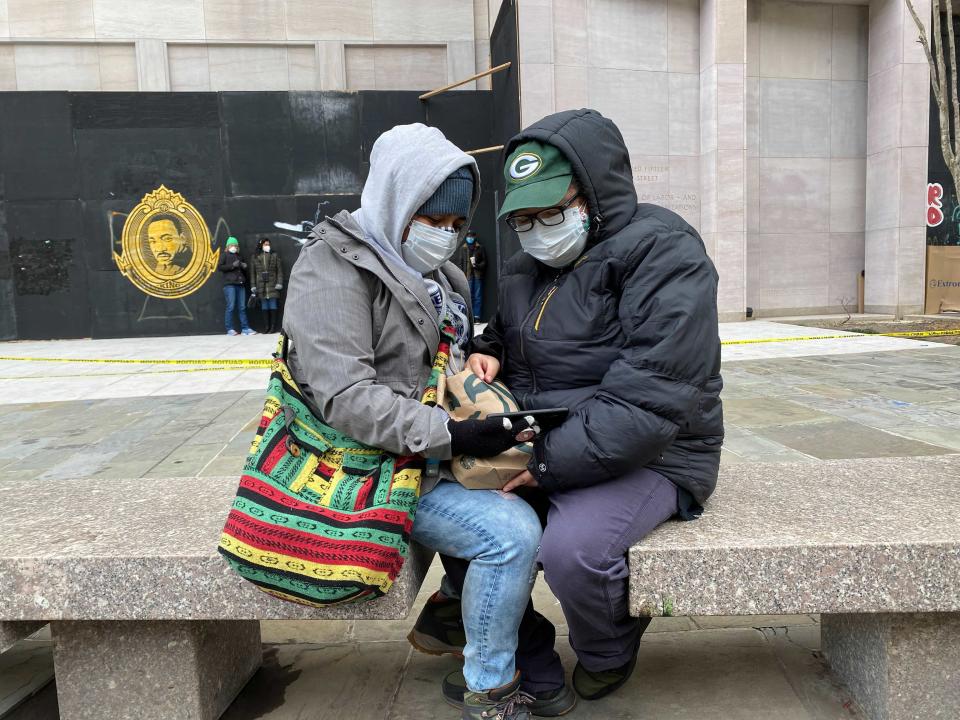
x: 363, y: 341
x: 364, y: 331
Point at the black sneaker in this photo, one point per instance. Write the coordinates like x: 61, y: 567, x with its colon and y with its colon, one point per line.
x: 502, y: 703
x: 439, y: 629
x: 549, y: 703
x: 595, y: 685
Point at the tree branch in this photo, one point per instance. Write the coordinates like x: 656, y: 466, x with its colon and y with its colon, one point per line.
x: 953, y: 76
x: 925, y: 43
x: 942, y: 96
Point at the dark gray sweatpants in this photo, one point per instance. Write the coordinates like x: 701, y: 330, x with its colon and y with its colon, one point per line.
x: 583, y: 553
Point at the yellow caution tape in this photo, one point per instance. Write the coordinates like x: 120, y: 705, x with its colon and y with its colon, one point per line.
x: 246, y: 363
x: 225, y: 368
x: 117, y: 361
x: 918, y: 333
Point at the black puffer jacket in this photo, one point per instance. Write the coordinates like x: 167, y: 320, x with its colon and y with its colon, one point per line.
x: 626, y: 338
x: 233, y: 267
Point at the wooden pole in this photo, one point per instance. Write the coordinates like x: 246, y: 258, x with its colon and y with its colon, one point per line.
x: 480, y: 151
x: 443, y: 89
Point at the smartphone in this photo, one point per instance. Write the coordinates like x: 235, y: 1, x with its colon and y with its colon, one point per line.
x: 547, y: 419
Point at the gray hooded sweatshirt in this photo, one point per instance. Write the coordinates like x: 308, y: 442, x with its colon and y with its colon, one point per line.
x: 362, y: 325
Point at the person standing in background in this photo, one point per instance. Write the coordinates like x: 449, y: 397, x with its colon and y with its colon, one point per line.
x: 232, y: 266
x: 266, y: 282
x: 475, y: 267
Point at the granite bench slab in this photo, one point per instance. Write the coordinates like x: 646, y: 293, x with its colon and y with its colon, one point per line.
x: 867, y: 535
x: 145, y: 549
x: 871, y: 544
x: 148, y: 620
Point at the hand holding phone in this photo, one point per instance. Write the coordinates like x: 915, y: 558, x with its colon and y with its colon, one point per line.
x: 543, y: 420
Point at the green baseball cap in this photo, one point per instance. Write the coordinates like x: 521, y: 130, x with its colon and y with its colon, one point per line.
x: 232, y: 241
x: 538, y: 175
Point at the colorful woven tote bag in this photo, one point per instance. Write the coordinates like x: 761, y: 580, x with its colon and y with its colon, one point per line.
x: 320, y: 518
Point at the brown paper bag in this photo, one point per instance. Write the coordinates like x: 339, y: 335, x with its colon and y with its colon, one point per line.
x: 943, y: 279
x: 466, y: 396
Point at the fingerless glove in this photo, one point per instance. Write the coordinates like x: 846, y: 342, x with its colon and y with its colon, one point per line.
x: 484, y: 438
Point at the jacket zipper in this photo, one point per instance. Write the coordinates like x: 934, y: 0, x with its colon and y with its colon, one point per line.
x: 536, y: 325
x: 553, y: 287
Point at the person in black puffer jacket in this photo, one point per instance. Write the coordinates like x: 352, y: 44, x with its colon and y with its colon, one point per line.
x: 234, y: 268
x: 611, y: 312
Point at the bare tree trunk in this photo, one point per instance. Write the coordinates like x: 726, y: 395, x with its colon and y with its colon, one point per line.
x: 943, y: 69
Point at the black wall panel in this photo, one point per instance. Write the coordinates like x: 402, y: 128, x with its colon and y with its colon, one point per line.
x: 37, y: 151
x: 325, y: 134
x: 505, y: 109
x: 73, y: 165
x: 258, y: 143
x: 113, y: 110
x: 46, y: 240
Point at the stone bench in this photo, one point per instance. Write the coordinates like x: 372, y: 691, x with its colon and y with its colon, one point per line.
x: 872, y: 545
x: 148, y: 621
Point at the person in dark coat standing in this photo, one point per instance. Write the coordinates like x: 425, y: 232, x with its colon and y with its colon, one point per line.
x: 266, y: 282
x: 474, y: 266
x: 234, y: 268
x: 610, y: 311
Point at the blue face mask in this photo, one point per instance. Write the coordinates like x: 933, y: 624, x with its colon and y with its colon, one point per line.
x: 470, y: 239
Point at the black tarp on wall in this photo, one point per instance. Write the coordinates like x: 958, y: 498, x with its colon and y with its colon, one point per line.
x: 72, y: 165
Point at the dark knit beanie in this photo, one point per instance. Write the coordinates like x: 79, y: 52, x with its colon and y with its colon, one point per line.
x: 453, y: 197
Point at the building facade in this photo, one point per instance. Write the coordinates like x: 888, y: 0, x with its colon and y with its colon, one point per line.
x: 792, y: 134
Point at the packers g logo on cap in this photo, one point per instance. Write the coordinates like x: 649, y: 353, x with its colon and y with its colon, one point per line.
x: 525, y: 165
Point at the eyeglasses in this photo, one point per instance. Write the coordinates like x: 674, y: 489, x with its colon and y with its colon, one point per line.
x: 548, y: 217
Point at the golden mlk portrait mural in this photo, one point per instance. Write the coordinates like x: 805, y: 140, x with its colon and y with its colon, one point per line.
x: 165, y: 246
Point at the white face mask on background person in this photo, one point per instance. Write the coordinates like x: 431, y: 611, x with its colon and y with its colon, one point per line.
x: 428, y: 247
x: 266, y: 248
x: 558, y: 245
x: 232, y: 249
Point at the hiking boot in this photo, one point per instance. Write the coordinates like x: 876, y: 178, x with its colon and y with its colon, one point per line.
x: 592, y: 685
x: 502, y: 703
x: 439, y: 629
x: 548, y: 703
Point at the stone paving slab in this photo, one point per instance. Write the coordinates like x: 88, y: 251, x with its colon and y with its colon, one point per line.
x: 64, y: 381
x: 845, y: 439
x: 841, y: 536
x: 728, y: 673
x: 767, y: 419
x: 24, y: 670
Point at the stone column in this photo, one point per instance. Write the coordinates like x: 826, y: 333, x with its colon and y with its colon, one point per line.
x: 898, y: 96
x: 897, y: 666
x: 153, y: 66
x: 723, y: 148
x: 152, y: 670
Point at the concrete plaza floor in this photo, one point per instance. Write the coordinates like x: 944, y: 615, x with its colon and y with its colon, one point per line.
x: 792, y: 401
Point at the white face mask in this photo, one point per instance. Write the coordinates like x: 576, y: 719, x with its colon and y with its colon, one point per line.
x: 232, y: 249
x: 428, y: 247
x: 266, y: 248
x: 558, y: 245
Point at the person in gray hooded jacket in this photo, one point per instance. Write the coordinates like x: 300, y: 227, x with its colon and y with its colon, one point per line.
x: 365, y: 302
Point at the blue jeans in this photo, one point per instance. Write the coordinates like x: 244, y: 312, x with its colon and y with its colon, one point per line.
x: 476, y: 296
x: 236, y: 297
x: 500, y: 534
x: 270, y: 304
